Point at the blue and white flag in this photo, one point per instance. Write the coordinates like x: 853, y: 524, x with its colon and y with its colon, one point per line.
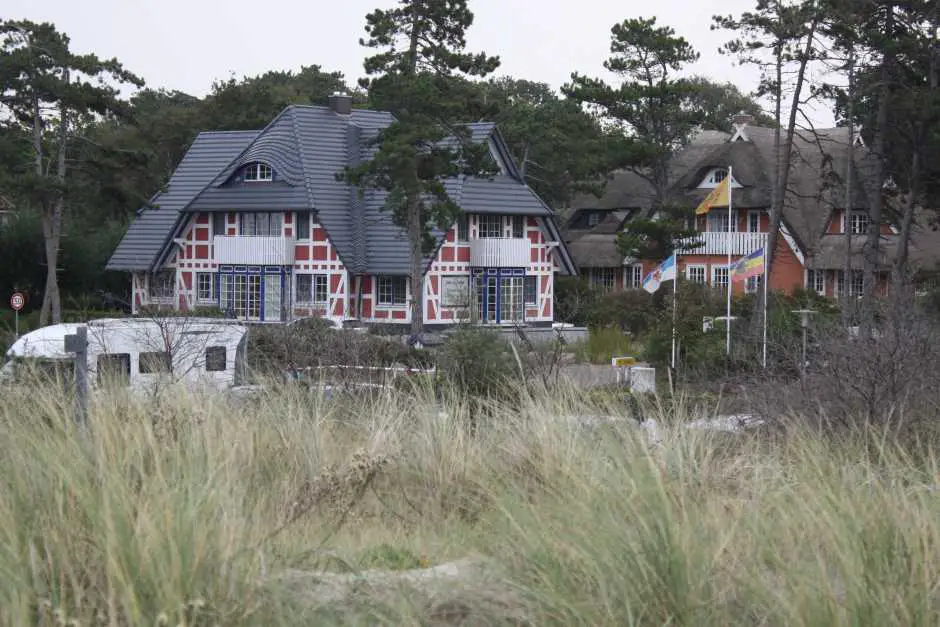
x: 666, y: 271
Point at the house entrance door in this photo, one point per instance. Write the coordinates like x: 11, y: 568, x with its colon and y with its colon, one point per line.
x: 499, y: 295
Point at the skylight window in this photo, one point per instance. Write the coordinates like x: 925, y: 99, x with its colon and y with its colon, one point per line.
x: 255, y: 172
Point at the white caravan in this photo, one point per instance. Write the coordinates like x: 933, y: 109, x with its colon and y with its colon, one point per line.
x: 145, y: 353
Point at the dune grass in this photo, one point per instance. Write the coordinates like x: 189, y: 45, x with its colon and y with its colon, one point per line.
x: 201, y: 511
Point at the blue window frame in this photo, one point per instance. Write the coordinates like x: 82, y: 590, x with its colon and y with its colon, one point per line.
x: 500, y: 295
x: 254, y: 292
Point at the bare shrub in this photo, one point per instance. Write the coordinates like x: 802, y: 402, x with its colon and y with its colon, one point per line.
x: 316, y: 350
x: 890, y: 377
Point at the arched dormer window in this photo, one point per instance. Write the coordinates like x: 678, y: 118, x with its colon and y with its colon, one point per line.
x: 714, y: 177
x: 257, y: 172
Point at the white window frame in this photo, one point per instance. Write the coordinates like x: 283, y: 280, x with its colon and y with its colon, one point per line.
x: 715, y: 271
x: 308, y: 215
x: 201, y: 298
x: 718, y: 215
x: 714, y: 178
x: 267, y: 217
x: 258, y: 172
x: 752, y: 284
x: 169, y: 292
x: 319, y: 288
x: 534, y: 292
x: 463, y: 228
x: 816, y: 281
x: 485, y: 224
x: 390, y: 281
x: 633, y: 276
x: 593, y: 219
x: 602, y: 278
x: 858, y: 222
x: 856, y: 283
x: 698, y: 268
x: 753, y: 215
x: 219, y: 216
x: 519, y: 221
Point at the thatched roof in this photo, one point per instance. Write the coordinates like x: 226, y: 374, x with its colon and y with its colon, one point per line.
x: 816, y: 187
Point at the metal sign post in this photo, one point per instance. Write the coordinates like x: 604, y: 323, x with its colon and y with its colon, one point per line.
x: 17, y: 302
x: 78, y: 344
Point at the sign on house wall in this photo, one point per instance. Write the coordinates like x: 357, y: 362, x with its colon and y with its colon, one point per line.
x: 455, y: 292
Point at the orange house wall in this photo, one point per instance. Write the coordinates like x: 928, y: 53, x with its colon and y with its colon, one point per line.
x: 785, y: 276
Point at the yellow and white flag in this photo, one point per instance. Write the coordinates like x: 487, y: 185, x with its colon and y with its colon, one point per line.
x: 718, y: 197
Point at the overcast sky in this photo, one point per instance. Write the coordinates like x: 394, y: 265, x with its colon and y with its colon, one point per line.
x: 186, y: 45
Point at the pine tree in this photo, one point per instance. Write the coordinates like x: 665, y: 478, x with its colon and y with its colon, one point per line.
x: 415, y: 77
x: 655, y: 114
x: 47, y: 88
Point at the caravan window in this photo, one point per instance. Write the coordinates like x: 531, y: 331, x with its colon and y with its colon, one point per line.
x: 215, y: 359
x: 152, y: 363
x: 114, y: 367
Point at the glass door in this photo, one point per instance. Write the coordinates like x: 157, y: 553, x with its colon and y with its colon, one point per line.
x: 240, y: 295
x: 273, y: 309
x: 499, y: 295
x: 511, y: 299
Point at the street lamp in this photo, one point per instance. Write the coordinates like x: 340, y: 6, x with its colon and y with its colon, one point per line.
x: 804, y: 323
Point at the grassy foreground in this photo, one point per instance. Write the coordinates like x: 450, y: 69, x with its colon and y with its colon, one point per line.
x: 193, y: 511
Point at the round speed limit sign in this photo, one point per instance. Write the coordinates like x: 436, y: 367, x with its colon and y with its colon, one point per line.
x: 17, y: 301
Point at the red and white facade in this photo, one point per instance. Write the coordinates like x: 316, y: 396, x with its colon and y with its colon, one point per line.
x: 489, y: 269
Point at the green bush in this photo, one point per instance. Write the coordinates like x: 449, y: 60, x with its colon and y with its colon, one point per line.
x: 479, y: 362
x: 574, y: 300
x: 630, y: 310
x: 603, y: 344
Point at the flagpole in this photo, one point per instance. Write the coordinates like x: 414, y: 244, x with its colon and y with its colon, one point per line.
x: 766, y: 280
x: 675, y: 297
x: 728, y: 273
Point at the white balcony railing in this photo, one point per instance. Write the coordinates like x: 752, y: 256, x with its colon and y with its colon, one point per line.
x: 717, y: 243
x: 500, y: 252
x: 253, y: 250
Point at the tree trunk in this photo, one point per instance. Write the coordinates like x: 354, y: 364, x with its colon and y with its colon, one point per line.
x: 413, y: 40
x: 871, y: 248
x: 783, y: 163
x: 37, y: 135
x: 849, y: 201
x: 51, y: 311
x: 415, y: 223
x: 907, y: 220
x: 415, y: 238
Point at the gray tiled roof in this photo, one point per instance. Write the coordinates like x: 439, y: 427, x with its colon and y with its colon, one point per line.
x: 307, y: 146
x: 149, y: 232
x: 387, y: 243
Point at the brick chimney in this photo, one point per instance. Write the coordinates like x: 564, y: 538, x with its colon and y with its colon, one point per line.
x: 341, y: 103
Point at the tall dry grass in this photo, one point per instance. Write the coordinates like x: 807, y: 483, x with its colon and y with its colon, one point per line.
x: 202, y: 511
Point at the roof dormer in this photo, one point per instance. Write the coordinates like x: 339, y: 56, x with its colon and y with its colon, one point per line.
x: 714, y: 177
x: 257, y: 172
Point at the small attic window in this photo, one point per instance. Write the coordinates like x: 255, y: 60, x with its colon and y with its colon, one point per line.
x: 714, y: 177
x: 717, y: 176
x: 255, y: 172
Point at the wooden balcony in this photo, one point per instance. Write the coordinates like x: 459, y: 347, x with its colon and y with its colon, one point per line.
x: 500, y: 252
x: 253, y: 250
x: 718, y: 243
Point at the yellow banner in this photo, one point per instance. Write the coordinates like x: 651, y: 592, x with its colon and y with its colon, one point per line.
x: 718, y: 197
